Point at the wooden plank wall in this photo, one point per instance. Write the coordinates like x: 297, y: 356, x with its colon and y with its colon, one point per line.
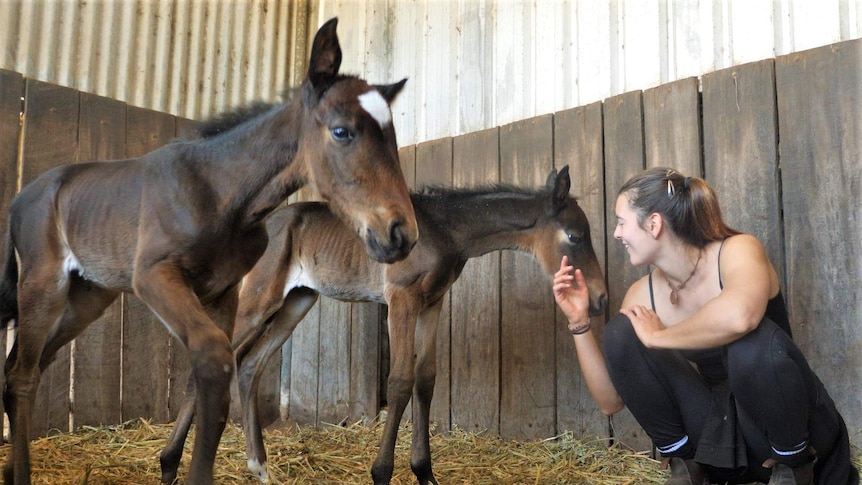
x: 780, y: 140
x: 125, y: 364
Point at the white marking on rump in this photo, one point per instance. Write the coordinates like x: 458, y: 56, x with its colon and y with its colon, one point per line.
x: 373, y: 102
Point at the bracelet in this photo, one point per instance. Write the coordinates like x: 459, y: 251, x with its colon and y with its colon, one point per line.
x: 580, y: 330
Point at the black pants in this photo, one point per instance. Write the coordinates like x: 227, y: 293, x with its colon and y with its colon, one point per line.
x: 780, y: 402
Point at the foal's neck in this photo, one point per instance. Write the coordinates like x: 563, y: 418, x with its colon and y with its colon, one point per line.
x: 254, y: 163
x: 481, y: 223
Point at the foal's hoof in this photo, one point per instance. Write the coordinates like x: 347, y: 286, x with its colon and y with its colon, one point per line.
x: 259, y: 469
x: 169, y: 477
x: 422, y: 470
x: 381, y: 475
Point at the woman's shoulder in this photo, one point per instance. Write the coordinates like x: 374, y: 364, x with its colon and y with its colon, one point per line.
x: 742, y: 244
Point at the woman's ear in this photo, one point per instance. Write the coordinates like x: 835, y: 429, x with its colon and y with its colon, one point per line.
x: 654, y: 224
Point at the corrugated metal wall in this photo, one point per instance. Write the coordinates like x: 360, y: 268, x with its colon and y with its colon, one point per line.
x: 189, y: 58
x: 472, y: 64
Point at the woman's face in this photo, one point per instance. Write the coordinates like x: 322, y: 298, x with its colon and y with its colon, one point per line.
x: 638, y: 242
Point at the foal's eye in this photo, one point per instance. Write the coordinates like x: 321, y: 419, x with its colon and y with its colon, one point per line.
x: 341, y: 134
x: 573, y: 238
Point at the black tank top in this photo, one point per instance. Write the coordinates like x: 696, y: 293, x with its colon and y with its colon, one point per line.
x: 710, y: 362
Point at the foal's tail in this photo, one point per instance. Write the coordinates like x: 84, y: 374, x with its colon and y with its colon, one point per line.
x: 8, y: 285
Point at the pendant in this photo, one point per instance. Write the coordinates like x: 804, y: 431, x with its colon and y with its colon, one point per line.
x: 674, y: 298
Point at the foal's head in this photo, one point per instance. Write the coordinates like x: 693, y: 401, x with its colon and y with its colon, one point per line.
x: 352, y: 156
x: 567, y: 233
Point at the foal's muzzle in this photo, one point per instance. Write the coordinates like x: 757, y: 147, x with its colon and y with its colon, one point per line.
x: 395, y: 246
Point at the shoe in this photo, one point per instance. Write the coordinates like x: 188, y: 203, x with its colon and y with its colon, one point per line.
x: 784, y: 475
x: 686, y: 472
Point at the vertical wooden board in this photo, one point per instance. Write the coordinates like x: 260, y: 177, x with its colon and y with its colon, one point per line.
x: 145, y: 363
x: 527, y: 338
x: 578, y: 144
x: 820, y: 126
x: 475, y: 298
x: 50, y: 140
x: 672, y: 126
x: 11, y: 91
x: 146, y: 342
x: 740, y: 152
x: 364, y: 404
x: 50, y: 128
x: 334, y: 365
x: 304, y: 374
x: 624, y: 157
x: 434, y: 167
x: 96, y: 368
x: 434, y: 162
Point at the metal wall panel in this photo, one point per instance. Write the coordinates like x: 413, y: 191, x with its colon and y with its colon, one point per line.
x: 476, y: 64
x: 189, y: 58
x: 471, y: 64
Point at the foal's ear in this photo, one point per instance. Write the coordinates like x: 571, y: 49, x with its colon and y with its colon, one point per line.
x: 390, y: 91
x: 325, y: 57
x: 560, y: 183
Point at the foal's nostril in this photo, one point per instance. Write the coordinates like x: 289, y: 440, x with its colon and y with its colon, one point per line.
x: 396, y: 233
x: 603, y: 301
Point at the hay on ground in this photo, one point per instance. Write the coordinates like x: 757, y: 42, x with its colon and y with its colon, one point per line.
x: 128, y: 454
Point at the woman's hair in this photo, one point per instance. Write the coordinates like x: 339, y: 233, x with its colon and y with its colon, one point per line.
x: 688, y: 205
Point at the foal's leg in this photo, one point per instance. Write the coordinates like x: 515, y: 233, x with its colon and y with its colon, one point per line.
x: 251, y: 364
x: 72, y: 305
x: 423, y: 392
x: 37, y: 312
x: 169, y: 458
x: 222, y: 312
x: 403, y: 309
x: 161, y: 286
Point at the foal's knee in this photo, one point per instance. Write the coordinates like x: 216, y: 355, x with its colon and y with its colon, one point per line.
x: 211, y: 358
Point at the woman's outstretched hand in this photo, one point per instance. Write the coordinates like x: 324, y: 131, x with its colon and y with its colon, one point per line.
x: 571, y: 293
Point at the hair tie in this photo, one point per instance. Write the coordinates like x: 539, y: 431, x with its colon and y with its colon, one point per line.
x: 686, y: 183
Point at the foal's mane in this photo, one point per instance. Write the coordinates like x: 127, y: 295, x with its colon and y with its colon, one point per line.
x: 446, y: 192
x: 228, y: 120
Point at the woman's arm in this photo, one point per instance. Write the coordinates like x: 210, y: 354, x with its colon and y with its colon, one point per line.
x: 749, y: 281
x: 574, y: 301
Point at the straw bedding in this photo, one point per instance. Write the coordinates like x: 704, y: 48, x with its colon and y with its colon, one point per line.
x: 128, y: 454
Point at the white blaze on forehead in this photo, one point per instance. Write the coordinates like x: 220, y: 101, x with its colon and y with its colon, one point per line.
x: 376, y: 106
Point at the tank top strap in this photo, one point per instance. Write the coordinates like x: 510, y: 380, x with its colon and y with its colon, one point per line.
x: 651, y: 296
x: 720, y: 283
